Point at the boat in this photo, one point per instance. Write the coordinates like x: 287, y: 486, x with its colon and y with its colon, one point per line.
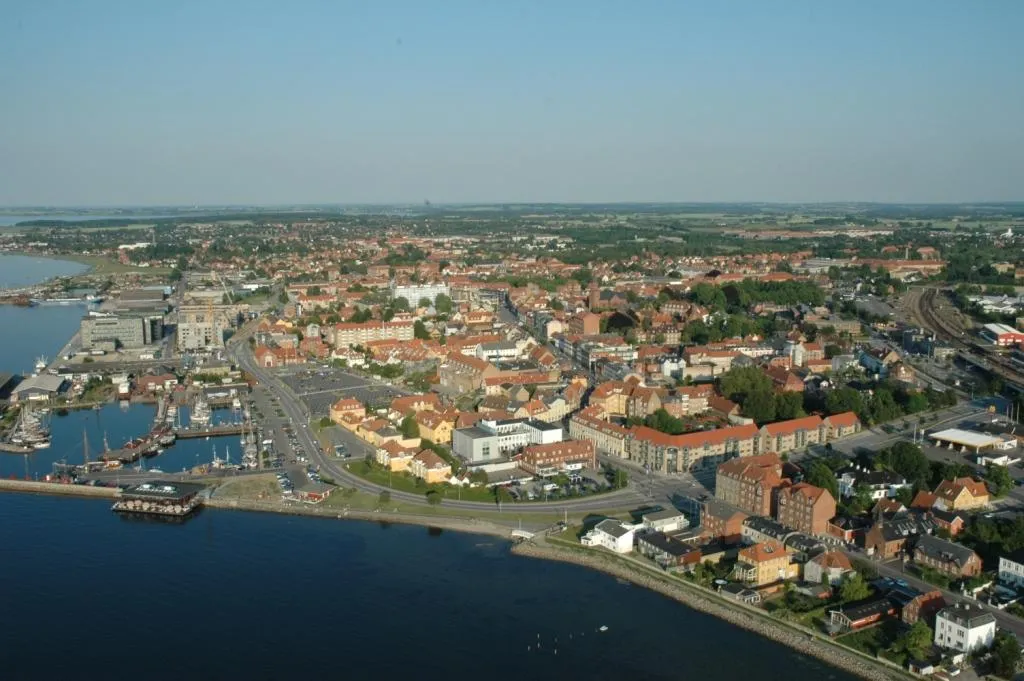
x: 155, y: 470
x: 30, y: 430
x: 41, y: 364
x: 200, y: 416
x: 603, y: 627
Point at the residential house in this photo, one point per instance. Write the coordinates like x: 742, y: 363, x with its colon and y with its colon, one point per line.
x: 853, y: 616
x: 1011, y: 569
x: 394, y: 456
x: 786, y: 436
x: 805, y: 508
x: 947, y: 557
x: 690, y: 451
x: 612, y: 534
x: 556, y: 457
x: 347, y: 407
x: 436, y: 426
x: 964, y: 627
x: 430, y: 467
x: 764, y: 563
x: 666, y: 551
x: 830, y: 567
x: 961, y: 494
x: 608, y: 438
x: 665, y: 520
x: 922, y: 606
x: 888, y: 538
x: 881, y: 484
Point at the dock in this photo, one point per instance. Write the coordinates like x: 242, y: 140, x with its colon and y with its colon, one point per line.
x: 214, y: 431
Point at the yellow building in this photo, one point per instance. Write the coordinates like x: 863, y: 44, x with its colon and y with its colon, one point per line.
x: 347, y: 409
x: 430, y: 467
x: 394, y: 457
x: 765, y: 563
x: 436, y: 426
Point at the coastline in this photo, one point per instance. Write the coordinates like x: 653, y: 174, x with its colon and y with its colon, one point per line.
x: 751, y: 619
x: 702, y: 600
x: 80, y: 260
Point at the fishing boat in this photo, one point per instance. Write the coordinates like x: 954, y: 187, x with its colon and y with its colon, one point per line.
x: 41, y: 363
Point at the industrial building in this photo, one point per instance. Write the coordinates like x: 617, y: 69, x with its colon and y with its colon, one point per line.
x: 1002, y: 335
x: 112, y: 332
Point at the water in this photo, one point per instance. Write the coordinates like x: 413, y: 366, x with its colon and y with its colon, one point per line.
x: 28, y: 332
x: 24, y: 270
x: 255, y: 596
x: 119, y: 423
x: 7, y: 220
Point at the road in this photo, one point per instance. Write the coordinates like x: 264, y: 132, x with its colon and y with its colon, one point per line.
x: 897, y: 570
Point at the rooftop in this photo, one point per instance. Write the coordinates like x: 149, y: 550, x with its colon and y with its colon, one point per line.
x: 163, y: 490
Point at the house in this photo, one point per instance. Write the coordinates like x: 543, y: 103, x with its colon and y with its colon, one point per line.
x: 964, y: 627
x: 764, y: 563
x: 951, y: 521
x: 961, y: 494
x: 411, y: 404
x: 740, y: 593
x: 853, y: 616
x: 786, y: 436
x: 394, y: 457
x: 430, y: 467
x: 666, y: 551
x: 847, y: 528
x: 665, y: 520
x: 831, y: 567
x: 947, y: 557
x: 922, y: 606
x: 757, y: 529
x: 556, y: 457
x: 347, y: 407
x: 436, y: 426
x: 805, y: 508
x: 612, y: 534
x: 1011, y: 569
x: 881, y: 484
x: 889, y: 538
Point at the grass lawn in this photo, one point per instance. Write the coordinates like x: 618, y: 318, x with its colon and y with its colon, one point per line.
x: 104, y: 265
x: 251, y: 487
x: 876, y: 641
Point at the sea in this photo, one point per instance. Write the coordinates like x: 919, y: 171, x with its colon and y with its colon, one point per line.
x: 89, y: 594
x: 233, y: 595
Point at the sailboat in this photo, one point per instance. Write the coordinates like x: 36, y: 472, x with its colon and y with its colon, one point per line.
x: 30, y: 430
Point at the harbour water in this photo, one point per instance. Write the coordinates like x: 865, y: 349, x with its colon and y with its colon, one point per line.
x: 232, y: 595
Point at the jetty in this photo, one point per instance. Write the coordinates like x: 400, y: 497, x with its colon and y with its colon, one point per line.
x: 212, y: 431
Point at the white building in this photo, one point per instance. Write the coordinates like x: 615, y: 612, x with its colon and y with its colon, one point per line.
x: 1011, y: 569
x: 492, y: 439
x: 964, y: 627
x: 882, y: 484
x: 414, y: 292
x: 613, y: 535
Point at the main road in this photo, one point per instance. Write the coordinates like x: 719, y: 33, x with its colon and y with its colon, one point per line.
x: 298, y: 414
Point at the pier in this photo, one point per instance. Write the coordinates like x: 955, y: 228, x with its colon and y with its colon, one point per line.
x: 213, y: 431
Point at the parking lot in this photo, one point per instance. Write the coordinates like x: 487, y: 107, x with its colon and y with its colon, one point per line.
x: 319, y: 388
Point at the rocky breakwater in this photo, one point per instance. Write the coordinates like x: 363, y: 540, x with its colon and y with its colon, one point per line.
x: 748, y: 618
x: 58, y: 488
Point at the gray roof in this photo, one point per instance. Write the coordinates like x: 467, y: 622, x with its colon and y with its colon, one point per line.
x: 163, y: 489
x: 475, y: 432
x: 43, y: 382
x: 943, y: 550
x: 667, y: 544
x: 613, y: 527
x: 766, y: 526
x: 542, y: 425
x: 663, y: 514
x: 967, y: 615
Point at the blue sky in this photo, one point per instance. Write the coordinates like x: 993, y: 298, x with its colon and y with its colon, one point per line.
x: 113, y: 102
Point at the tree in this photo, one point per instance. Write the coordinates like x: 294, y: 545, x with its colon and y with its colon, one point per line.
x: 433, y: 497
x: 442, y: 303
x: 999, y: 479
x: 916, y: 641
x: 326, y: 422
x: 844, y: 399
x: 854, y: 589
x: 664, y: 422
x: 789, y: 405
x: 760, y: 406
x: 283, y: 298
x: 384, y: 497
x: 908, y: 460
x: 820, y: 475
x: 736, y: 383
x: 478, y: 477
x: 409, y: 427
x: 424, y: 302
x: 400, y: 304
x: 1005, y: 654
x: 419, y: 330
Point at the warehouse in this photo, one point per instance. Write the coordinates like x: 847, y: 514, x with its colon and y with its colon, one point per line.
x: 966, y: 440
x: 1002, y: 335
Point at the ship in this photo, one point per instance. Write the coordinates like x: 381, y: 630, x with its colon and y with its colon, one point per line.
x: 200, y: 416
x: 41, y: 364
x: 30, y: 431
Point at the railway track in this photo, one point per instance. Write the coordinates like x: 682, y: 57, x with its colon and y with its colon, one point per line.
x: 981, y: 355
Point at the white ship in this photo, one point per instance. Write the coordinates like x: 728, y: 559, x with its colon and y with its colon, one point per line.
x: 200, y: 416
x: 30, y: 430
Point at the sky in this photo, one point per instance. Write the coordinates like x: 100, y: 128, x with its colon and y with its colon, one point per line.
x: 122, y: 102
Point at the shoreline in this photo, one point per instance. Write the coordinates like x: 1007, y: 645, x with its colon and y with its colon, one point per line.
x: 704, y: 601
x: 71, y: 258
x: 692, y: 596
